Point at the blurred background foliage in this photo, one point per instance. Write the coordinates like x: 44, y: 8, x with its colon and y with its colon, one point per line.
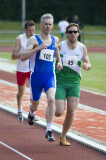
x: 90, y: 12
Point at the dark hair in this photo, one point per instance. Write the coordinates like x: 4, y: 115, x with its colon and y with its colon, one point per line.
x: 71, y: 25
x: 29, y: 23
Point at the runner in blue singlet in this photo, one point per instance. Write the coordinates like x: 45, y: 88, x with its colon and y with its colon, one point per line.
x: 41, y: 50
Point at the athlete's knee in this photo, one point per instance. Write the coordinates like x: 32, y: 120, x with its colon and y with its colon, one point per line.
x: 20, y: 94
x: 51, y: 100
x: 70, y: 113
x: 58, y: 114
x: 34, y: 105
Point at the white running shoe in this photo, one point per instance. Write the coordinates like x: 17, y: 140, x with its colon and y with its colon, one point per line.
x: 20, y: 117
x: 35, y: 118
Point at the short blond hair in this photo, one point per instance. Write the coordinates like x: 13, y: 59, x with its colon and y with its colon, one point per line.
x: 46, y: 16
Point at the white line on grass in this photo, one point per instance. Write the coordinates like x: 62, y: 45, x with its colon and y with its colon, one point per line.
x: 23, y: 155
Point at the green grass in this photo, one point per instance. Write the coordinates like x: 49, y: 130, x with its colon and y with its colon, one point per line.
x: 93, y: 80
x: 17, y: 26
x: 7, y: 56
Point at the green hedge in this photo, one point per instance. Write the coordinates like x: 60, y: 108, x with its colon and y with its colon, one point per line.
x: 91, y: 12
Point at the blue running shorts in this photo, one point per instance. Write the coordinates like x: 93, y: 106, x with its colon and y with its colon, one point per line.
x: 40, y: 81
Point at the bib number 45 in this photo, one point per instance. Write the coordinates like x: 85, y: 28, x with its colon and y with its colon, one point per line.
x: 70, y: 61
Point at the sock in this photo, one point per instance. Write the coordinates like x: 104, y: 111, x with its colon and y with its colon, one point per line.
x: 49, y: 127
x: 20, y: 110
x: 32, y: 114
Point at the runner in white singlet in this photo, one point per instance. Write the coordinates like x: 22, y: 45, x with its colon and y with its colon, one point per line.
x: 23, y: 71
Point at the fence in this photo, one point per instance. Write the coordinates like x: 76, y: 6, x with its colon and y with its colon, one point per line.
x: 88, y: 38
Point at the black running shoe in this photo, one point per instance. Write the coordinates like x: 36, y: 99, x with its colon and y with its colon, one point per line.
x: 31, y: 119
x: 49, y: 136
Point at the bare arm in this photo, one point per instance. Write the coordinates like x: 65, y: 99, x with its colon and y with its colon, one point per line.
x: 31, y: 48
x: 86, y: 65
x: 16, y: 48
x: 57, y: 55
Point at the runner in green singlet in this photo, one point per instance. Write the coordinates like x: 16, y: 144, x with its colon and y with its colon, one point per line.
x: 72, y: 53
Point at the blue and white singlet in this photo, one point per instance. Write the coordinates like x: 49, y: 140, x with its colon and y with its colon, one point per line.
x: 42, y: 67
x: 43, y: 61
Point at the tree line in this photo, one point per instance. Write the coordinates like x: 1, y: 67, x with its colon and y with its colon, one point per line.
x: 90, y: 12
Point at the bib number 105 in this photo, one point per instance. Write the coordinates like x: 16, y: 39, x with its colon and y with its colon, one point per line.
x: 46, y: 55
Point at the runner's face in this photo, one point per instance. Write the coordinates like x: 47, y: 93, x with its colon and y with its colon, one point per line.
x: 30, y: 31
x: 46, y: 26
x: 72, y: 36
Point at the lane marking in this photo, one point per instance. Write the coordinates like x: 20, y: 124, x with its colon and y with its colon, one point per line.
x: 44, y: 95
x: 23, y: 155
x: 74, y: 135
x: 100, y: 94
x: 91, y: 109
x: 12, y: 68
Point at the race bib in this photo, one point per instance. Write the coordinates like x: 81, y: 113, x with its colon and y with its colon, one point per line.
x: 70, y: 61
x: 46, y: 54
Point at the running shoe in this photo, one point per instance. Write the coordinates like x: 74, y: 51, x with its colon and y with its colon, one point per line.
x: 64, y: 142
x: 35, y: 118
x: 31, y: 119
x: 49, y: 136
x: 20, y: 117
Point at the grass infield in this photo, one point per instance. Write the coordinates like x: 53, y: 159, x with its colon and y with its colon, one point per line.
x: 93, y: 80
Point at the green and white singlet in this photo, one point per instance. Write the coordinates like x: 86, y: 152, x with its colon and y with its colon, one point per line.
x: 71, y: 60
x: 68, y: 79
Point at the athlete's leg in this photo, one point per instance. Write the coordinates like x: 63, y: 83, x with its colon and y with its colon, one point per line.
x: 60, y: 107
x: 34, y: 105
x: 72, y: 103
x: 60, y: 102
x: 19, y: 96
x: 35, y: 94
x: 21, y: 90
x: 21, y: 82
x: 50, y: 111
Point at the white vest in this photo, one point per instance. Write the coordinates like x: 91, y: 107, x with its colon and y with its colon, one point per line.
x: 23, y: 66
x: 77, y: 53
x: 63, y: 25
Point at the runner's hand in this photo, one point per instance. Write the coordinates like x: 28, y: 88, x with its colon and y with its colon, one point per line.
x: 59, y: 66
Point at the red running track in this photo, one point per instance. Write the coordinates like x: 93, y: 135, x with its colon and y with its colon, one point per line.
x: 93, y: 100
x: 31, y: 142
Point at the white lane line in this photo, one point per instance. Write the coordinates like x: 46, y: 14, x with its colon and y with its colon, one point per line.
x: 11, y: 84
x: 89, y: 108
x: 100, y: 94
x: 23, y: 155
x: 7, y: 67
x: 12, y: 68
x: 74, y: 135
